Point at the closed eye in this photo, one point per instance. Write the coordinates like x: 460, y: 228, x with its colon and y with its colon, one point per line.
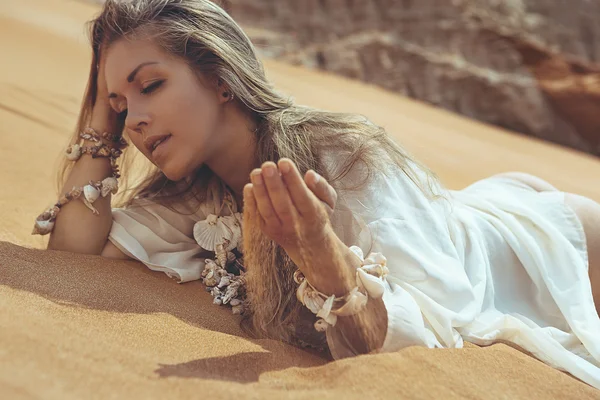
x: 152, y: 87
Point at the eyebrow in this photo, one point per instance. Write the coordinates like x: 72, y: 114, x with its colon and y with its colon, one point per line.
x: 132, y: 75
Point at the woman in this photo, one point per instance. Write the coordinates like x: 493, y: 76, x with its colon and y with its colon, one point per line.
x: 509, y: 258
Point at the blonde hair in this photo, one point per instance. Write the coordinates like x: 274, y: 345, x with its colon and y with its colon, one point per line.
x: 211, y: 42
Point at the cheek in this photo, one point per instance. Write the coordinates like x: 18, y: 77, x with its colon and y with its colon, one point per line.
x: 196, y: 110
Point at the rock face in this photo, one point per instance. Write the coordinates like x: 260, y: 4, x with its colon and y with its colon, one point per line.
x: 526, y: 65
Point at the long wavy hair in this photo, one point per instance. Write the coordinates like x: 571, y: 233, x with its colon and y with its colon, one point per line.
x: 202, y: 34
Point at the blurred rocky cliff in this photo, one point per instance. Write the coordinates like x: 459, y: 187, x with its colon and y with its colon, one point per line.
x: 532, y: 66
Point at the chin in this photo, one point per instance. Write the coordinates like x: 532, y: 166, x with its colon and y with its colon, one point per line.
x: 177, y: 172
x: 174, y: 174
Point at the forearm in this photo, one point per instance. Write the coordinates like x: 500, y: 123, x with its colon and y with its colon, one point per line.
x: 76, y: 228
x: 366, y: 330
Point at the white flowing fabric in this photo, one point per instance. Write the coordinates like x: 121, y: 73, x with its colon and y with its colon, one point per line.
x: 494, y: 262
x: 163, y: 239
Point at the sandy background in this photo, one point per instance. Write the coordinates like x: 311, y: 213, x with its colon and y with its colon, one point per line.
x: 75, y: 326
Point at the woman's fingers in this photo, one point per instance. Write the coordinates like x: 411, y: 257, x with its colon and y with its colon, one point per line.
x: 288, y: 208
x: 321, y: 188
x: 278, y: 194
x: 299, y: 192
x: 263, y: 202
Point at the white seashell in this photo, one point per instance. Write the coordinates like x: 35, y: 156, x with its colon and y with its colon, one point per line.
x: 301, y: 291
x: 211, y: 232
x: 325, y: 312
x: 212, y: 219
x: 224, y: 282
x: 358, y: 251
x: 209, y: 265
x: 218, y: 301
x: 231, y: 292
x: 91, y: 193
x: 221, y: 254
x: 357, y: 301
x: 73, y: 153
x: 212, y: 281
x: 235, y: 230
x: 373, y: 269
x: 321, y: 325
x: 235, y: 302
x: 376, y: 258
x: 42, y: 227
x: 223, y: 273
x: 373, y: 285
x: 211, y: 274
x: 313, y: 301
x: 109, y: 185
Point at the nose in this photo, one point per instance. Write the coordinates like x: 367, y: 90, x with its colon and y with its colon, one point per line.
x: 136, y: 120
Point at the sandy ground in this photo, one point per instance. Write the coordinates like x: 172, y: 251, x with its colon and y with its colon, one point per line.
x: 75, y: 326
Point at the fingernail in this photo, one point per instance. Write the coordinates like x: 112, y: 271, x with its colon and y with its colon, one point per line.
x: 284, y: 167
x: 269, y: 171
x: 257, y: 178
x: 317, y: 177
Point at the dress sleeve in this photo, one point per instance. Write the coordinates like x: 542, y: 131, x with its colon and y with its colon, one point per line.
x: 427, y: 292
x: 160, y: 238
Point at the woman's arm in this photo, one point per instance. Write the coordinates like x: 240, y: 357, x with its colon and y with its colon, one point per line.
x: 366, y: 330
x: 112, y: 251
x: 289, y: 213
x: 76, y: 228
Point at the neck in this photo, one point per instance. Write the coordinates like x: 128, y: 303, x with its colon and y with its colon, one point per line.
x: 235, y: 157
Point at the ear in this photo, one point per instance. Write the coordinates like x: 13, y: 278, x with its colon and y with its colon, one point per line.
x: 224, y: 94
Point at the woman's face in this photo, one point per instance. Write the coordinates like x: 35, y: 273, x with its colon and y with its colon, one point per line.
x: 164, y: 99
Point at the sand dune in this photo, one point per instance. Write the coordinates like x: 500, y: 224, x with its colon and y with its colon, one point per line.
x: 75, y: 326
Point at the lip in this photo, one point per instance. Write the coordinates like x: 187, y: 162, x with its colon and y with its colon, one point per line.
x: 149, y: 141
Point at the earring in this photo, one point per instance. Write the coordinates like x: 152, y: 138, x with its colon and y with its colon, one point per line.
x: 226, y: 95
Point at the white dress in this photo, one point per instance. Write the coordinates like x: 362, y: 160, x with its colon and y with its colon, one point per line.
x: 494, y: 262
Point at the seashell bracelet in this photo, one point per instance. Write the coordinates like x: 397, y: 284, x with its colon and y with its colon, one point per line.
x: 44, y: 223
x: 108, y: 139
x: 75, y: 151
x: 107, y: 145
x: 370, y: 280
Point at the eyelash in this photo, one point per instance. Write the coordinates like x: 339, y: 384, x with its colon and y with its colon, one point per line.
x: 147, y: 90
x: 152, y: 87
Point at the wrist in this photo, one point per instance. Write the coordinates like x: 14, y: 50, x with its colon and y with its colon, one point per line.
x: 334, y: 272
x: 103, y: 118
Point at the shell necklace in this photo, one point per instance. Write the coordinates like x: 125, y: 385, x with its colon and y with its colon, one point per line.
x: 224, y: 276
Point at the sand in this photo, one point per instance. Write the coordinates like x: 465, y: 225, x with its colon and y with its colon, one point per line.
x: 75, y: 326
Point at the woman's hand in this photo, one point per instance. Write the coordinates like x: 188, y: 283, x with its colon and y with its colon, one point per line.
x: 104, y: 117
x: 294, y: 212
x: 289, y: 211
